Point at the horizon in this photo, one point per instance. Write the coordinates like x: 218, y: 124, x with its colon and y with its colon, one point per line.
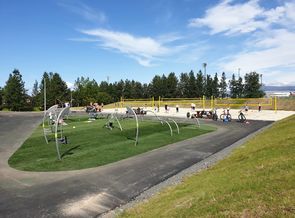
x: 138, y: 40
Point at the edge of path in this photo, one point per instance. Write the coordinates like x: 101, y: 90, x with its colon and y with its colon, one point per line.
x: 178, y: 178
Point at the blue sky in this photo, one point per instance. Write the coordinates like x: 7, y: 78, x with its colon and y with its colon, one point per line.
x: 133, y: 39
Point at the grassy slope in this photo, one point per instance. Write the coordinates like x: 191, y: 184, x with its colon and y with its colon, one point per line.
x: 92, y: 145
x: 257, y: 180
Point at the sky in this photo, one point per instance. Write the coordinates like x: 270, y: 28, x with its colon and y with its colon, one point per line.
x: 131, y: 39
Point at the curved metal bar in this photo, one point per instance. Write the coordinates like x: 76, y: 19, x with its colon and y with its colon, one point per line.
x: 171, y: 132
x: 198, y: 122
x: 161, y: 120
x: 46, y: 113
x: 175, y: 124
x: 62, y: 113
x: 118, y: 122
x: 131, y: 111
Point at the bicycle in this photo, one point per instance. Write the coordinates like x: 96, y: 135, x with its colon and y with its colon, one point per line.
x: 242, y: 117
x: 225, y: 116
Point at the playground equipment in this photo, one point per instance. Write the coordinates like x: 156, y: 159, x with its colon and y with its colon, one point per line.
x: 162, y: 120
x: 49, y: 119
x: 111, y: 118
x: 132, y: 112
x: 59, y: 137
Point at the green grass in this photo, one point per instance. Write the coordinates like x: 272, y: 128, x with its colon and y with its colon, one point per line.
x: 257, y: 180
x: 92, y: 145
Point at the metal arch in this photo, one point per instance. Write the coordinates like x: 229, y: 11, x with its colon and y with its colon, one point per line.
x: 114, y: 115
x: 46, y: 113
x: 65, y: 111
x: 198, y: 122
x: 171, y: 132
x: 130, y: 110
x: 161, y: 120
x: 175, y: 124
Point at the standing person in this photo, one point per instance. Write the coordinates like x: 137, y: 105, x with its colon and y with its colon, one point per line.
x: 246, y: 108
x: 166, y: 108
x: 177, y: 108
x: 259, y: 107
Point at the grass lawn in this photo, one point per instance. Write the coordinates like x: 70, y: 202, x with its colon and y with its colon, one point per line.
x: 257, y: 180
x: 92, y: 145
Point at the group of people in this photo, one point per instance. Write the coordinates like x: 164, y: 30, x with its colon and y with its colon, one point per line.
x: 94, y: 107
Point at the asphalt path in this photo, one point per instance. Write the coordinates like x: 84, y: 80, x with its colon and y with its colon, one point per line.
x: 92, y: 192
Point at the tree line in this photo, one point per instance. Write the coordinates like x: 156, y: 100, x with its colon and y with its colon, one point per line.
x: 14, y: 96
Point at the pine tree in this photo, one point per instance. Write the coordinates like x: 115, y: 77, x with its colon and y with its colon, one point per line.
x: 199, y: 85
x: 209, y: 86
x: 14, y: 92
x: 183, y: 85
x: 1, y: 98
x: 223, y: 86
x: 215, y: 86
x: 240, y: 87
x: 172, y: 85
x: 233, y: 87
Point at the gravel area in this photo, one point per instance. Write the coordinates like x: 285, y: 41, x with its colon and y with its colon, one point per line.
x: 178, y: 178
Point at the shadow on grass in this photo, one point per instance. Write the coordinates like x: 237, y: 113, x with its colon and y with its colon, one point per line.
x: 70, y: 151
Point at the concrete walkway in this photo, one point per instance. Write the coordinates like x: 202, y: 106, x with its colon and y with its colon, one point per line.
x: 91, y: 192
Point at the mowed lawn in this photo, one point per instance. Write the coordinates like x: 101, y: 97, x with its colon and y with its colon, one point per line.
x: 91, y: 144
x: 257, y: 180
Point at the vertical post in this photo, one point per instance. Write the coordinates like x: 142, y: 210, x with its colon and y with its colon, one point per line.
x: 153, y: 102
x: 276, y: 104
x: 44, y: 89
x: 121, y: 103
x: 159, y: 101
x: 203, y: 102
x: 211, y: 101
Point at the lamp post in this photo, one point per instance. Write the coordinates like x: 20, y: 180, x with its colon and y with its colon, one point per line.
x: 205, y: 76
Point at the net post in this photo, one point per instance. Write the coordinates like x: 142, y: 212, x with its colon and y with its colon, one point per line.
x: 276, y: 108
x: 159, y: 101
x: 203, y: 102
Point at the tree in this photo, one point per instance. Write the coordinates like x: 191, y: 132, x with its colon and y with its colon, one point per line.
x: 240, y: 87
x: 209, y: 86
x: 215, y: 86
x: 192, y: 92
x: 14, y: 92
x: 35, y: 94
x: 233, y: 87
x: 1, y: 98
x: 200, y: 84
x: 183, y: 85
x: 172, y: 85
x: 223, y: 85
x: 252, y: 86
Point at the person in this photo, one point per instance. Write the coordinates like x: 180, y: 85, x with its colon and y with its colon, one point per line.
x: 259, y: 107
x: 246, y: 108
x: 193, y: 106
x: 166, y: 108
x: 227, y: 110
x: 177, y: 108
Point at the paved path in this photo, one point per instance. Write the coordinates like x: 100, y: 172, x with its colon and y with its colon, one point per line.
x: 90, y: 192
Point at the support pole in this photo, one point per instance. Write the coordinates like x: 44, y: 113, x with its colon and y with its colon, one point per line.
x: 203, y: 102
x: 211, y: 102
x: 276, y: 108
x: 159, y: 101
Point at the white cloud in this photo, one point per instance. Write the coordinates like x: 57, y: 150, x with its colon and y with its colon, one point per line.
x: 143, y: 49
x: 231, y: 19
x: 85, y: 11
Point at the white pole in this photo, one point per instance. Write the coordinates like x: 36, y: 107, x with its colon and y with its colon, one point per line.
x: 44, y: 83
